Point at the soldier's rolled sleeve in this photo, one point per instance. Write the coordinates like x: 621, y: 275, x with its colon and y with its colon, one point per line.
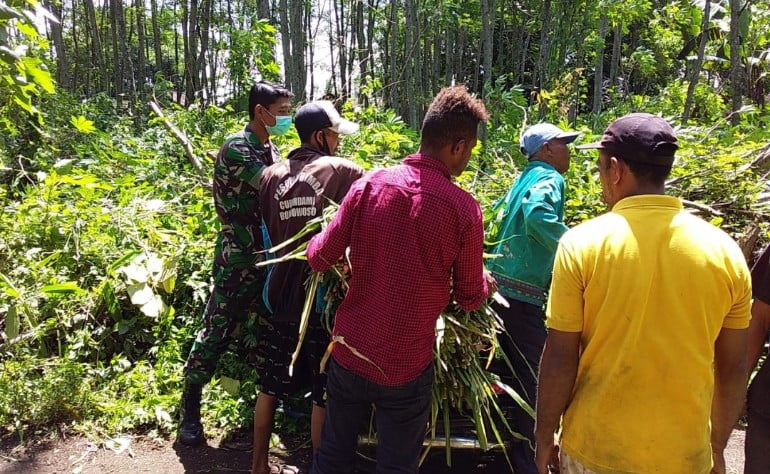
x: 245, y: 167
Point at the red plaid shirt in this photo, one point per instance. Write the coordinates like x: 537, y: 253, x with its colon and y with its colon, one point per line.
x: 411, y: 232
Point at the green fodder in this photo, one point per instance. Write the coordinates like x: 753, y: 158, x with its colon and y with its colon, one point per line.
x: 466, y: 344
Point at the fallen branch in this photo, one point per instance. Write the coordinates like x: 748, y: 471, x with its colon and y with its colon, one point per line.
x: 181, y: 138
x: 749, y: 240
x: 6, y: 345
x: 763, y: 155
x: 702, y: 207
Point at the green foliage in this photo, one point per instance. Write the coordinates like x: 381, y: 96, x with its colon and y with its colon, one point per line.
x: 106, y: 238
x: 101, y: 254
x: 249, y: 50
x: 383, y: 139
x: 23, y: 74
x: 707, y: 106
x: 39, y: 392
x: 106, y: 232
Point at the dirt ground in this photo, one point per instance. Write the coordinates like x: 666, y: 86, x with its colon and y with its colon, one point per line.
x: 77, y: 455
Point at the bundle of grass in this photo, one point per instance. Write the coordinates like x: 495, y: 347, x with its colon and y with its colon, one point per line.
x: 466, y: 345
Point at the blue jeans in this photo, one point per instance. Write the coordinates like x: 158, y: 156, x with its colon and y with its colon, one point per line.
x: 523, y: 343
x: 401, y: 417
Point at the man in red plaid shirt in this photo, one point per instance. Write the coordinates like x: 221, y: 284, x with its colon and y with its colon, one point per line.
x: 416, y: 242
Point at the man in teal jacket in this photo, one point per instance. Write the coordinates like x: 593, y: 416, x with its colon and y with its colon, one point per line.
x: 529, y: 224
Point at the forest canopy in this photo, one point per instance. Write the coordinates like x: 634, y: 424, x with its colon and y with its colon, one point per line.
x: 107, y: 222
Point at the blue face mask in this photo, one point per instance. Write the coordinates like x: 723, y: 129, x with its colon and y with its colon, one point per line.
x: 282, y: 125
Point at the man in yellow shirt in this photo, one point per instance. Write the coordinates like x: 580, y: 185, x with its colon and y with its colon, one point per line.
x: 647, y: 317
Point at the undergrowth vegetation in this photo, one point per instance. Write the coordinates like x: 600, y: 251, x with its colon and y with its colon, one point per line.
x: 106, y: 237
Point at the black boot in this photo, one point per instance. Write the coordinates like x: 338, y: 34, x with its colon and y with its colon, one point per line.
x: 191, y: 429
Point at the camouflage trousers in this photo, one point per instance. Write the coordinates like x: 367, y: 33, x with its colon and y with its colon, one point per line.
x: 235, y: 308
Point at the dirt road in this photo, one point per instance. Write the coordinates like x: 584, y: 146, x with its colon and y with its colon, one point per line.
x: 76, y: 455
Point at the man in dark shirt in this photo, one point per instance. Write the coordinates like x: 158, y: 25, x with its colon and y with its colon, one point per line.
x: 237, y: 283
x: 416, y: 242
x: 758, y: 399
x: 292, y: 193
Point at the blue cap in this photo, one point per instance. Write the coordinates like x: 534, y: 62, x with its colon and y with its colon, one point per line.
x: 536, y: 135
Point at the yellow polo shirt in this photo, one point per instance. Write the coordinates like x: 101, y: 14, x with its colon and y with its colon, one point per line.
x: 650, y: 287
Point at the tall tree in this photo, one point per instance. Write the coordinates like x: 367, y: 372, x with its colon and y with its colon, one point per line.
x: 62, y: 59
x: 117, y: 57
x: 698, y: 62
x: 263, y: 9
x: 617, y: 41
x: 293, y: 40
x: 203, y: 31
x: 737, y: 75
x: 141, y: 61
x: 157, y: 46
x: 411, y: 39
x: 393, y: 84
x: 488, y: 13
x: 599, y: 65
x: 542, y: 61
x: 97, y: 53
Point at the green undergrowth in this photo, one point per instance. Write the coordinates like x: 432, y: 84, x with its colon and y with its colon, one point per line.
x: 106, y: 238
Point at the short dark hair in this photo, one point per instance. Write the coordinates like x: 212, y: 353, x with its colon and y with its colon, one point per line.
x: 266, y: 93
x: 648, y: 173
x: 453, y: 114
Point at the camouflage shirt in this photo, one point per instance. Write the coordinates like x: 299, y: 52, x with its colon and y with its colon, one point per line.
x: 237, y: 169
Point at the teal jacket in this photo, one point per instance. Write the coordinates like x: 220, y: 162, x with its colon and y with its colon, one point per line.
x: 529, y: 221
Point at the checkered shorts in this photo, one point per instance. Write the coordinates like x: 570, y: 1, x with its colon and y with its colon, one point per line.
x: 279, y: 340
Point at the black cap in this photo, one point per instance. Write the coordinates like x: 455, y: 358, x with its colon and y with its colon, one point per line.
x: 640, y: 137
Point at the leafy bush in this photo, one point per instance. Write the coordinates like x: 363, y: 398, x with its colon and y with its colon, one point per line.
x: 106, y: 240
x: 40, y: 392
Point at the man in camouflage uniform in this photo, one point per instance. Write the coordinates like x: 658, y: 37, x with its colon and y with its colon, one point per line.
x: 237, y: 282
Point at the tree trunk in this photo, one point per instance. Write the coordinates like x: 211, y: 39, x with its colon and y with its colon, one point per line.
x: 352, y: 46
x: 203, y: 31
x: 288, y: 64
x: 97, y: 55
x: 615, y: 61
x: 542, y: 60
x: 488, y: 35
x: 117, y: 59
x: 523, y: 59
x: 190, y: 46
x: 263, y: 9
x: 488, y: 11
x: 369, y: 51
x: 459, y: 55
x: 339, y: 41
x: 436, y: 64
x: 696, y: 67
x: 599, y: 66
x: 299, y: 45
x: 80, y: 84
x: 126, y: 62
x: 394, y: 80
x: 62, y: 61
x: 159, y: 66
x: 332, y: 57
x: 410, y: 37
x: 310, y: 45
x: 179, y: 80
x: 362, y: 53
x: 736, y: 61
x: 449, y: 59
x: 141, y: 66
x: 425, y: 66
